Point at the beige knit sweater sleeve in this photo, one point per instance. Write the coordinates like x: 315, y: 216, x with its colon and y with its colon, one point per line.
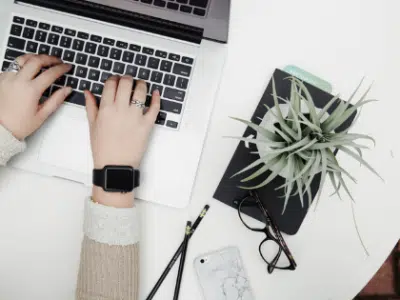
x: 109, y: 266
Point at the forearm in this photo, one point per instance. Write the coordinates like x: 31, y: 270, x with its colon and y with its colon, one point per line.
x: 109, y: 267
x: 9, y: 146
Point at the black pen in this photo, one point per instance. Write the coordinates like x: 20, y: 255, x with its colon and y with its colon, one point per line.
x: 176, y: 255
x: 183, y: 259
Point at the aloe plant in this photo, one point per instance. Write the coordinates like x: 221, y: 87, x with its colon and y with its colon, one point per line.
x: 304, y: 143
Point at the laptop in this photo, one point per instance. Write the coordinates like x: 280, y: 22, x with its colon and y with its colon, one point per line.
x: 176, y: 46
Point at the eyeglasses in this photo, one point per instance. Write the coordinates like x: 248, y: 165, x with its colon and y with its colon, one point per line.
x: 273, y: 248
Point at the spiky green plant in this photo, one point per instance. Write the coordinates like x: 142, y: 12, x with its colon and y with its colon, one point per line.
x: 304, y: 144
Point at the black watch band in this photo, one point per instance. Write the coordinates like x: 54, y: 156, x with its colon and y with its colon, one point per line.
x: 122, y: 179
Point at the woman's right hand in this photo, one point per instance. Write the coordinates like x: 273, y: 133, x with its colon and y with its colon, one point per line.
x: 119, y: 131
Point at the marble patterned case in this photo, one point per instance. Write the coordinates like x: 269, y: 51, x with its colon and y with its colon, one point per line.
x: 222, y: 276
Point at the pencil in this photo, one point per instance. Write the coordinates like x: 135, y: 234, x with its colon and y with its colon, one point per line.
x: 188, y: 229
x: 176, y: 255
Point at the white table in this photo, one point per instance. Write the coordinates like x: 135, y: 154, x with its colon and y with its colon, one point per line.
x: 341, y: 41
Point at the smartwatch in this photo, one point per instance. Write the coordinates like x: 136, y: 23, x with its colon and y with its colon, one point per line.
x: 117, y: 179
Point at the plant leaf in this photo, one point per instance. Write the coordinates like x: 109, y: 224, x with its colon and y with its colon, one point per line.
x: 354, y: 136
x: 264, y: 132
x: 336, y: 143
x: 309, y: 101
x: 359, y: 159
x: 280, y: 166
x: 294, y: 146
x: 305, y: 148
x: 327, y: 106
x: 283, y: 135
x: 324, y: 164
x: 289, y: 188
x: 332, y: 177
x: 257, y: 141
x: 345, y: 187
x: 261, y: 160
x: 266, y: 167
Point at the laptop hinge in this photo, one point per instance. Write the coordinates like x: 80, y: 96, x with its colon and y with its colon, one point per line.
x: 123, y: 17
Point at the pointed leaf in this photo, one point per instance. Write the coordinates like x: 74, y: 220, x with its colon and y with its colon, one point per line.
x: 332, y: 177
x: 327, y: 106
x: 263, y: 169
x: 324, y: 163
x: 261, y: 160
x: 305, y: 148
x: 264, y: 132
x: 258, y: 141
x: 345, y: 187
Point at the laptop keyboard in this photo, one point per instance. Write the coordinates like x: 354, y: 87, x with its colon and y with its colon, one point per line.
x: 95, y: 58
x: 194, y: 7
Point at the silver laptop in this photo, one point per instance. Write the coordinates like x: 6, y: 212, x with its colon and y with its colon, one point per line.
x: 176, y: 46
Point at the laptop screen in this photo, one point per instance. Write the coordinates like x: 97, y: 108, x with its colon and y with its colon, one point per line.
x: 212, y: 16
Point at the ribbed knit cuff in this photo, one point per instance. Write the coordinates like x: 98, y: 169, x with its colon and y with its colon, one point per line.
x: 109, y: 225
x: 9, y: 146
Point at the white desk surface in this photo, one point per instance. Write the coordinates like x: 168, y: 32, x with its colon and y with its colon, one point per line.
x: 341, y: 41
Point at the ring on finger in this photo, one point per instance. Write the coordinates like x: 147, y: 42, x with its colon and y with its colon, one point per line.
x: 138, y: 104
x: 14, y: 67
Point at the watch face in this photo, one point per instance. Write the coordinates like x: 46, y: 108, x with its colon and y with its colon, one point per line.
x: 119, y: 179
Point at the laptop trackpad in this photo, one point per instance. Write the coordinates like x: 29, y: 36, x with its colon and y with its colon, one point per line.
x: 66, y: 144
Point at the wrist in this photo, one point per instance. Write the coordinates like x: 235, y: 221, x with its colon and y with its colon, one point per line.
x: 117, y: 200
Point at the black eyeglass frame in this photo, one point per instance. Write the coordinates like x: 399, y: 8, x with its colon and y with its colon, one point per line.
x: 269, y: 224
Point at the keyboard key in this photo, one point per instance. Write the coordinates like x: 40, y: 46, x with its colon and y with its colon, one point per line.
x: 134, y: 47
x: 170, y: 106
x: 160, y: 3
x: 94, y: 62
x: 172, y: 124
x: 70, y: 32
x: 69, y: 56
x: 44, y: 49
x: 72, y: 70
x: 18, y: 20
x: 84, y: 85
x: 72, y: 82
x: 144, y: 74
x: 122, y: 45
x: 169, y: 79
x: 153, y: 63
x: 78, y: 45
x: 199, y: 3
x: 96, y: 38
x: 173, y: 6
x: 65, y: 42
x: 16, y: 43
x: 106, y: 64
x: 103, y: 51
x: 174, y: 94
x: 57, y: 52
x: 147, y: 50
x: 61, y: 81
x: 166, y: 66
x: 128, y: 57
x: 16, y: 30
x: 81, y: 72
x: 158, y: 87
x: 186, y: 9
x: 31, y: 23
x: 81, y: 59
x: 28, y: 33
x: 199, y: 12
x: 97, y: 88
x: 94, y: 75
x: 13, y: 54
x: 115, y: 54
x: 147, y: 1
x: 44, y: 26
x: 108, y: 41
x: 53, y: 39
x: 175, y: 57
x: 182, y: 1
x: 41, y: 36
x: 76, y: 98
x: 141, y: 60
x: 83, y: 35
x: 182, y: 83
x: 57, y: 29
x: 156, y: 76
x: 131, y: 70
x: 161, y: 118
x: 32, y: 47
x: 90, y: 48
x: 161, y: 54
x: 182, y: 70
x: 187, y: 60
x: 119, y: 68
x: 105, y: 76
x: 6, y: 64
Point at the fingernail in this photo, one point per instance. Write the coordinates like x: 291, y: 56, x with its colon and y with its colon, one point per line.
x: 68, y: 91
x: 157, y: 92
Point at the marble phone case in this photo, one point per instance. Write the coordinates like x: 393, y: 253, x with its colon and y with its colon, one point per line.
x: 222, y: 276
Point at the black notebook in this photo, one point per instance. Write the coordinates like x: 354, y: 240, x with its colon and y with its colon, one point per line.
x: 228, y: 191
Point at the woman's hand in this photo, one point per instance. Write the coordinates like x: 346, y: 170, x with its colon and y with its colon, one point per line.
x: 20, y: 111
x: 119, y: 132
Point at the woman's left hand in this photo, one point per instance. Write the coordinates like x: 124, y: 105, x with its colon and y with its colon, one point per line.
x: 20, y: 111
